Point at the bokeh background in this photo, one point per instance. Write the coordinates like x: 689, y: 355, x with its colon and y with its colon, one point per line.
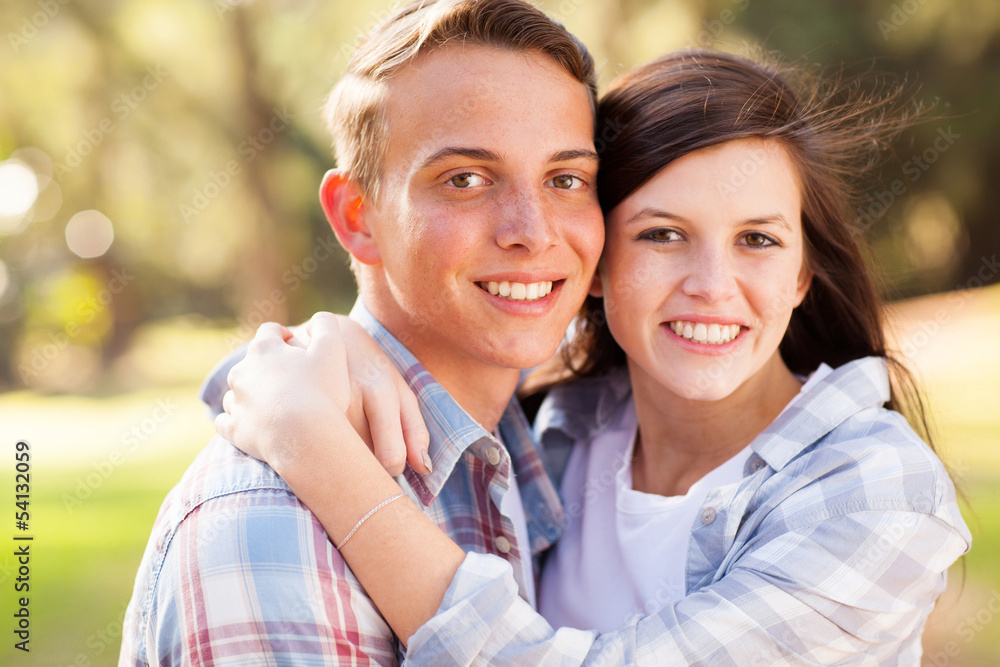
x: 159, y: 161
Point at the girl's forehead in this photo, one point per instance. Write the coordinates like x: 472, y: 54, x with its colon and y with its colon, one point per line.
x: 732, y: 182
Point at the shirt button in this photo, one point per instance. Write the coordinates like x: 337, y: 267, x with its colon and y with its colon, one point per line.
x: 502, y: 544
x: 493, y: 456
x: 708, y: 516
x: 756, y: 465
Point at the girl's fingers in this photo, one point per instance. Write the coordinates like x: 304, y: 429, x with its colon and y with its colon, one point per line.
x: 322, y: 325
x: 227, y: 402
x: 270, y: 333
x: 224, y: 425
x: 415, y: 436
x: 299, y: 337
x: 326, y: 341
x: 382, y: 412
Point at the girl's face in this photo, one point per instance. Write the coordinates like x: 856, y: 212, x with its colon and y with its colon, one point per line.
x: 703, y: 266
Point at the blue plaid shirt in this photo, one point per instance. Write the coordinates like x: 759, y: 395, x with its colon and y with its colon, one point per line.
x: 238, y: 572
x: 831, y: 549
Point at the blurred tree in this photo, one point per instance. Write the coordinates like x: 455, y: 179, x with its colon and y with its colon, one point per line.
x: 194, y: 127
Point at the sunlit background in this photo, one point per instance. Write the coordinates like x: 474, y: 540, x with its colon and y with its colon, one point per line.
x: 159, y: 162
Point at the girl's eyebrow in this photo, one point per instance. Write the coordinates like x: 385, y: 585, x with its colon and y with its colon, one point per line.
x: 772, y: 219
x: 650, y: 212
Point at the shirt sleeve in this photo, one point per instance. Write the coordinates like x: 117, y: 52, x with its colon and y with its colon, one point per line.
x: 250, y: 578
x: 848, y: 589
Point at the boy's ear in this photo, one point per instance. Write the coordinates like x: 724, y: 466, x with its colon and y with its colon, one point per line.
x: 345, y: 210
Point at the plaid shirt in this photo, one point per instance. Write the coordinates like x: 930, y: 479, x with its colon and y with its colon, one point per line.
x: 238, y: 572
x: 831, y: 550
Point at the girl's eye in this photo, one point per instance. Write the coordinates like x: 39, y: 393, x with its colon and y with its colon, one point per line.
x: 661, y: 235
x: 758, y: 240
x: 567, y: 182
x: 466, y: 180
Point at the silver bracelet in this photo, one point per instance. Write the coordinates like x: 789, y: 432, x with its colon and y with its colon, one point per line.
x: 368, y: 516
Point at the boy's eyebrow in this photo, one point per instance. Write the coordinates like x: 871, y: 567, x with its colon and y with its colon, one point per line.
x: 480, y: 154
x: 574, y: 154
x: 484, y: 155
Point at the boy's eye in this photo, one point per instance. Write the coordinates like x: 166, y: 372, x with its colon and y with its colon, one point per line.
x: 567, y: 182
x: 758, y: 240
x: 467, y: 180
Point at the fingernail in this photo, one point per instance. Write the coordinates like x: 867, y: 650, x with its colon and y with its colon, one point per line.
x: 427, y: 461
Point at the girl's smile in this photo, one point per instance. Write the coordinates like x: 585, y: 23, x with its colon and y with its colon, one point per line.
x: 700, y: 274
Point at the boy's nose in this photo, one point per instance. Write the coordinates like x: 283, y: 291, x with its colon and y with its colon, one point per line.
x: 524, y: 222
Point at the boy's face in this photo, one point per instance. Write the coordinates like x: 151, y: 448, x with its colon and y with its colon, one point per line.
x: 488, y: 202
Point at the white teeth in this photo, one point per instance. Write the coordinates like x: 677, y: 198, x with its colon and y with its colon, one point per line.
x: 709, y: 334
x: 518, y: 291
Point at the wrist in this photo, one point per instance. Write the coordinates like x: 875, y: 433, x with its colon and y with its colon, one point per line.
x: 335, y: 475
x: 312, y: 434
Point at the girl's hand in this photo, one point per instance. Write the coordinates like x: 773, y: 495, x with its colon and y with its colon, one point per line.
x: 293, y: 387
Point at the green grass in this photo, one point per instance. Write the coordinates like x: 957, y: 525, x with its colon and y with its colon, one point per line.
x: 90, y: 530
x: 84, y: 561
x: 963, y: 615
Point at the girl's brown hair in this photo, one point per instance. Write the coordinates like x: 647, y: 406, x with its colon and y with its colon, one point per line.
x: 833, y: 130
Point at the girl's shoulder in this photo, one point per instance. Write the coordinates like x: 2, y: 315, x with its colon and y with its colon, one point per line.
x: 581, y: 409
x: 840, y: 444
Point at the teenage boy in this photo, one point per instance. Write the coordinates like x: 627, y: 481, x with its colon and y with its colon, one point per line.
x: 465, y: 196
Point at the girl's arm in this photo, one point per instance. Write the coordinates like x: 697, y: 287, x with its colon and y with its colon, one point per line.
x: 815, y: 585
x: 288, y: 406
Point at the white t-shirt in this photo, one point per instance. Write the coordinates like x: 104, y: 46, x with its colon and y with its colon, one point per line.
x: 624, y: 552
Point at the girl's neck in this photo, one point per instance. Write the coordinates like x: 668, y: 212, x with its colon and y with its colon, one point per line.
x: 681, y: 440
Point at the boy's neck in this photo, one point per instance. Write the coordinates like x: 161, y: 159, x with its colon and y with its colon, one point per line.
x: 481, y: 389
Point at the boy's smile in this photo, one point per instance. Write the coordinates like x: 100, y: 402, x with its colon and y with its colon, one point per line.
x: 488, y: 227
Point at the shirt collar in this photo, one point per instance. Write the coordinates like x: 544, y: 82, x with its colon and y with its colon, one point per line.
x: 587, y: 407
x: 584, y: 407
x: 452, y: 430
x: 855, y: 386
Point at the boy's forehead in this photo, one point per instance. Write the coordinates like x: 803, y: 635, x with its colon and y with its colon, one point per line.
x: 470, y: 94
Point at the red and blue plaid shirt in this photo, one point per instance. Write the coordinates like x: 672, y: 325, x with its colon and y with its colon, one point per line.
x: 239, y: 572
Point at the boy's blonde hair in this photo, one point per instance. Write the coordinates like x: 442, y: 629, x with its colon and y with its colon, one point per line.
x: 355, y: 108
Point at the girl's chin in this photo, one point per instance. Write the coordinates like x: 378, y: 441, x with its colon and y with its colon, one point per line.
x: 709, y: 382
x: 698, y: 386
x: 706, y: 394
